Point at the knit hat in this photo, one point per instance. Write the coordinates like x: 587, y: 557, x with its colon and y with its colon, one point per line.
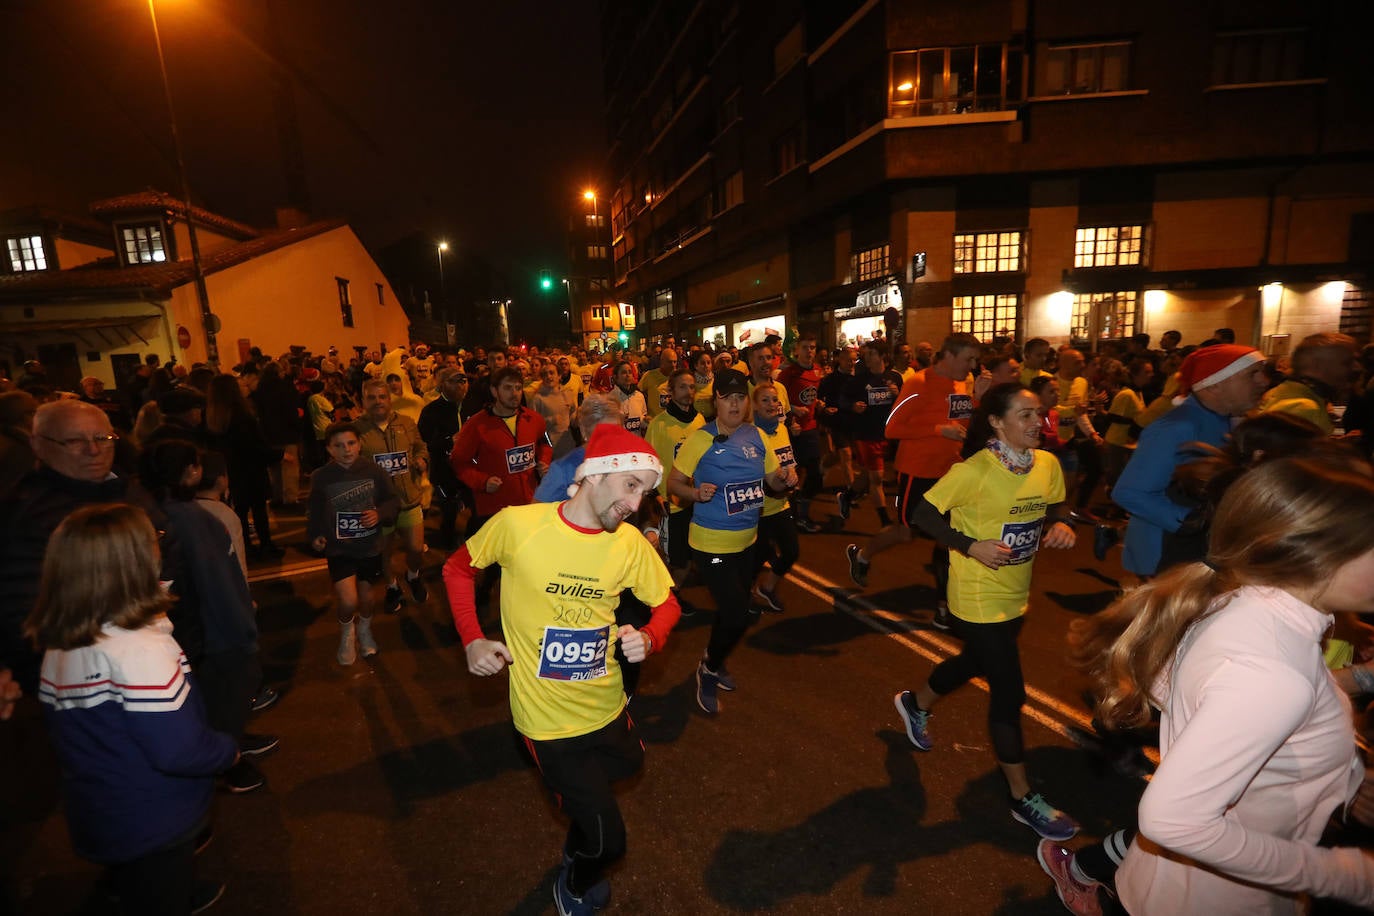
x: 1211, y: 365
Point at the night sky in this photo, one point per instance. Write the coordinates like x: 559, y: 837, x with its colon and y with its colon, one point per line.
x: 475, y: 122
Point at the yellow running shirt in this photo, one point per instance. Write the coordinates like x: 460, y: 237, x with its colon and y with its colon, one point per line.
x: 559, y: 591
x: 988, y: 502
x: 779, y: 442
x: 665, y: 436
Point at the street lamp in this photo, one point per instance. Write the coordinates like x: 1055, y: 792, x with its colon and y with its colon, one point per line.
x: 208, y: 318
x: 443, y: 296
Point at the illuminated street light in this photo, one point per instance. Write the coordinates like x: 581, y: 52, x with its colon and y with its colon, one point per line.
x: 443, y: 296
x: 209, y: 320
x: 589, y: 194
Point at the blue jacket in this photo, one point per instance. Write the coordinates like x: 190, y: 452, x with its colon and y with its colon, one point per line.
x: 1142, y: 488
x: 554, y: 487
x: 138, y: 759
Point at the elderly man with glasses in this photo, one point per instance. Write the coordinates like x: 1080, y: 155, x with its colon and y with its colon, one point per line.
x: 75, y: 447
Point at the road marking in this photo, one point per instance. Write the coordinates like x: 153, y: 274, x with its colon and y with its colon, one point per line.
x: 286, y: 572
x: 936, y: 649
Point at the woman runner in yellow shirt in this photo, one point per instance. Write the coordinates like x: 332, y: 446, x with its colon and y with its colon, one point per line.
x: 1000, y: 499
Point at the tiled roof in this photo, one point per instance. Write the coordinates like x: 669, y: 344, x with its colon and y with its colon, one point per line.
x: 106, y: 276
x: 113, y: 207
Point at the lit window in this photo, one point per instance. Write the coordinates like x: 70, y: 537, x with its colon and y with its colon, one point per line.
x: 26, y: 253
x: 988, y: 252
x: 143, y: 244
x: 1262, y: 56
x: 1085, y: 69
x: 986, y: 317
x: 597, y: 252
x: 1103, y: 316
x: 871, y: 263
x: 595, y: 220
x: 1108, y: 246
x: 601, y: 311
x: 952, y: 81
x: 663, y: 305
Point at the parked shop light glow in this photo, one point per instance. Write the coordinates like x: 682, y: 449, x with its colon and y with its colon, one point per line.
x: 1155, y: 300
x: 1061, y: 305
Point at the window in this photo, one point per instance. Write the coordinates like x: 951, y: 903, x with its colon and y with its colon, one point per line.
x: 1108, y: 246
x: 663, y: 305
x: 729, y: 111
x: 595, y: 220
x: 598, y: 252
x: 730, y: 192
x: 143, y: 244
x: 601, y: 311
x: 1103, y: 316
x: 1085, y: 69
x: 1357, y: 313
x: 1262, y: 56
x: 988, y: 252
x: 786, y: 51
x: 381, y: 294
x: 26, y: 253
x: 345, y: 303
x: 952, y: 81
x: 986, y: 317
x: 870, y: 264
x: 787, y: 151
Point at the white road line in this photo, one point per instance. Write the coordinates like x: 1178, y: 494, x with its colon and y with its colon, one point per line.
x: 286, y: 572
x: 936, y: 649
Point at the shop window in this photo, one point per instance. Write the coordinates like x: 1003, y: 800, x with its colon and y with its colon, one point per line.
x: 26, y: 253
x: 1263, y: 56
x: 143, y: 244
x: 345, y: 302
x: 1084, y: 69
x: 989, y: 252
x: 1109, y: 246
x: 1103, y: 316
x: 870, y: 264
x: 953, y: 81
x: 986, y: 317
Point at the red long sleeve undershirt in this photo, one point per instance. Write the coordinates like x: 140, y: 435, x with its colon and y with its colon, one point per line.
x: 460, y: 581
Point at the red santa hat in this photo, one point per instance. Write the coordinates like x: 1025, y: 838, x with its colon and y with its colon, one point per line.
x: 613, y: 449
x: 1210, y: 365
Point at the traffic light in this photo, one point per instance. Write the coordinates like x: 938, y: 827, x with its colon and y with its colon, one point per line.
x: 624, y: 337
x: 545, y: 279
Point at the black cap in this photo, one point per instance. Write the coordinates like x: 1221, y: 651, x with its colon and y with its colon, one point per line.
x: 729, y: 382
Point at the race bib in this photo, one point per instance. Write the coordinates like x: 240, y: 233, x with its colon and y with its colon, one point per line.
x: 1023, y: 538
x: 394, y: 463
x: 785, y: 457
x: 960, y: 406
x: 663, y: 400
x: 348, y: 526
x: 574, y: 655
x: 634, y: 425
x: 743, y: 497
x: 520, y: 458
x: 879, y: 397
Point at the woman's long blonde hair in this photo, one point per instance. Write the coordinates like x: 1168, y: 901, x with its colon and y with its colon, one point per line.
x: 1289, y: 524
x: 101, y: 566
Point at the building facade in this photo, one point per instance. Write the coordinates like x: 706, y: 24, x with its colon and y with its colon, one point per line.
x: 96, y: 296
x: 596, y: 316
x: 1072, y: 170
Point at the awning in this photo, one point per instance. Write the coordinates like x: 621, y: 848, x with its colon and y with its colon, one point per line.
x: 845, y: 295
x: 729, y: 310
x: 124, y: 325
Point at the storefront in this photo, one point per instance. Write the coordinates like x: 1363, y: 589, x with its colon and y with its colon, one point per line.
x: 877, y: 312
x: 756, y: 330
x: 738, y: 325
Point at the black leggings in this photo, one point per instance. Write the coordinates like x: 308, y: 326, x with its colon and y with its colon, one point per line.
x: 636, y: 613
x: 261, y: 523
x: 990, y: 652
x: 777, y: 545
x: 1090, y: 467
x: 579, y: 771
x: 679, y: 551
x: 729, y: 578
x: 806, y: 446
x: 159, y: 883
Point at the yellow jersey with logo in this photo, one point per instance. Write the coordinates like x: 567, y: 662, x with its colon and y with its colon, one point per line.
x: 665, y: 436
x: 559, y: 592
x: 988, y: 502
x: 729, y: 521
x: 779, y: 442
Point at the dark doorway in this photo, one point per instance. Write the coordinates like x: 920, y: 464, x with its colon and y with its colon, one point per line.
x: 60, y: 361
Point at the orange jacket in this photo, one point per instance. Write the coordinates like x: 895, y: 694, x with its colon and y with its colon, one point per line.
x: 927, y: 402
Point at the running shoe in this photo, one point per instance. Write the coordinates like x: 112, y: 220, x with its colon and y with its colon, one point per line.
x: 708, y: 682
x: 367, y: 643
x: 566, y: 902
x: 392, y: 602
x: 417, y: 589
x: 1044, y: 818
x: 1076, y: 896
x: 254, y: 745
x: 915, y: 719
x: 242, y: 777
x: 205, y: 894
x: 265, y: 698
x: 725, y: 680
x: 768, y: 599
x: 846, y: 503
x: 858, y: 569
x: 1105, y: 538
x: 943, y: 619
x: 806, y: 526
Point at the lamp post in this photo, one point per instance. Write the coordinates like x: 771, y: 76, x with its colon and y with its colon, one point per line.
x: 589, y: 195
x: 443, y: 296
x: 209, y: 320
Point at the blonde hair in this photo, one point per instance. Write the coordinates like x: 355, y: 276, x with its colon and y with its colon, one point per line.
x: 1288, y: 524
x: 101, y: 567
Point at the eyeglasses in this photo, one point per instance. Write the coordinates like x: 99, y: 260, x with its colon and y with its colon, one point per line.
x: 81, y: 443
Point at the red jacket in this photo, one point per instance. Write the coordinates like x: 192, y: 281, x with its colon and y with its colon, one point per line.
x: 485, y: 448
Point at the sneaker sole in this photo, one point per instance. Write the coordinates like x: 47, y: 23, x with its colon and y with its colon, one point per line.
x: 702, y: 705
x: 260, y: 752
x: 204, y: 905
x: 906, y: 721
x: 1057, y: 838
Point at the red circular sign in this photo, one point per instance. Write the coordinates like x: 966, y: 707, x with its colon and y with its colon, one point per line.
x: 183, y: 337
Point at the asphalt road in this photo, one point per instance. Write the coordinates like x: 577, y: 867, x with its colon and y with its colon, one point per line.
x: 399, y: 786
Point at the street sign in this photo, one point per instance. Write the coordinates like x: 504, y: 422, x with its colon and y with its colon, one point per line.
x: 605, y: 335
x: 183, y: 337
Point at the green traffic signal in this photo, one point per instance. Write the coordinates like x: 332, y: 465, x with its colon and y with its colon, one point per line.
x: 546, y: 279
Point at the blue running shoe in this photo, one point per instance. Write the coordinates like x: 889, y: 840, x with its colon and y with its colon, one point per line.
x: 915, y: 718
x: 567, y: 903
x: 707, y: 684
x: 1044, y: 818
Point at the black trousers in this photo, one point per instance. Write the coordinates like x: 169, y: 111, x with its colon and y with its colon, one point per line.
x: 991, y: 652
x: 729, y: 577
x: 679, y: 551
x: 806, y: 447
x: 159, y: 883
x: 228, y: 681
x: 777, y: 545
x: 579, y: 772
